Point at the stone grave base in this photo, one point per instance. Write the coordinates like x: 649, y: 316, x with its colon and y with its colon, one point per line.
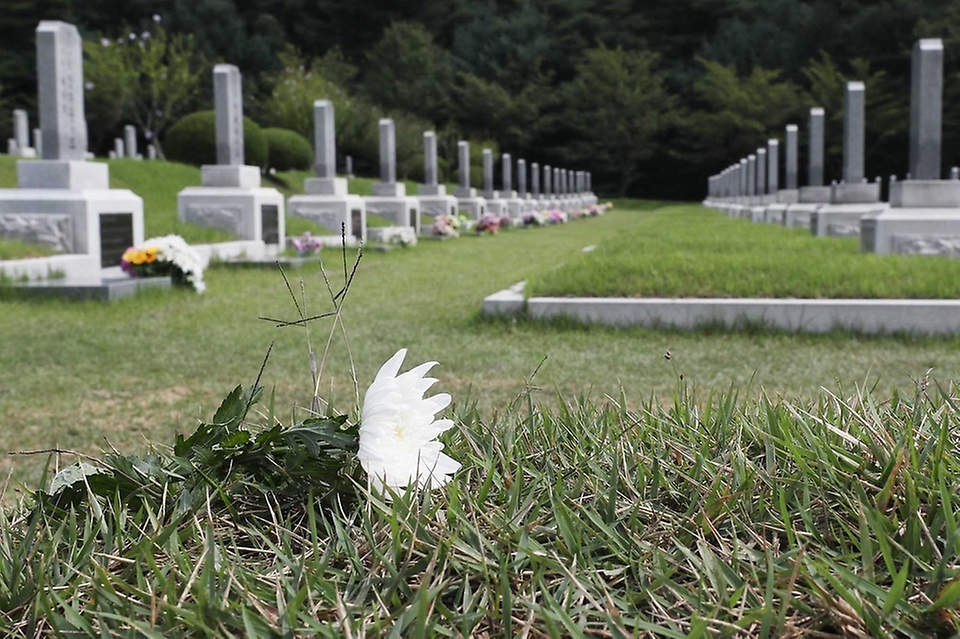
x: 774, y: 214
x: 473, y: 206
x: 334, y: 213
x: 758, y: 213
x: 72, y: 265
x: 436, y: 205
x: 403, y: 211
x: 788, y: 196
x: 735, y: 209
x: 926, y: 231
x: 841, y: 220
x: 99, y: 222
x: 405, y: 235
x: 515, y: 207
x: 528, y: 205
x: 251, y: 214
x: 798, y: 215
x: 589, y: 199
x: 548, y: 203
x: 240, y: 250
x: 497, y: 207
x: 107, y: 289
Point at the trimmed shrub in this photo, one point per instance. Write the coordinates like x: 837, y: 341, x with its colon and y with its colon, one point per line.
x: 287, y: 150
x: 193, y: 140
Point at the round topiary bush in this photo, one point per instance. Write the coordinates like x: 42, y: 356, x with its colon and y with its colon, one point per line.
x: 287, y: 150
x: 193, y: 140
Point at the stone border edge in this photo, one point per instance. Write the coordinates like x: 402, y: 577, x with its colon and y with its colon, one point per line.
x: 862, y: 316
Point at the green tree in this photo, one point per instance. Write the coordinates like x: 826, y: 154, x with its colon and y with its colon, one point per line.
x: 300, y: 83
x: 407, y: 71
x: 739, y: 114
x: 151, y: 78
x: 619, y: 106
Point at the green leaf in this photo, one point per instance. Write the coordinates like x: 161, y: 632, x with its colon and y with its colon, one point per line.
x: 948, y: 598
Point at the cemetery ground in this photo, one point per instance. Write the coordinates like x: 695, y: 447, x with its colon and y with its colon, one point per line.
x: 643, y: 482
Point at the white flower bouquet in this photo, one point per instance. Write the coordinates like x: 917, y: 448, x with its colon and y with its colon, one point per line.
x: 167, y: 255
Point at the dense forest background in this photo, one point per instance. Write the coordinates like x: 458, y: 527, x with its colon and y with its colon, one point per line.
x: 651, y: 95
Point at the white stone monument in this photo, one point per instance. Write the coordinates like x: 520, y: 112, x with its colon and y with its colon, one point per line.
x: 325, y: 201
x: 528, y: 204
x: 853, y: 197
x: 761, y: 198
x: 467, y: 198
x: 38, y: 141
x: 924, y: 213
x: 535, y: 196
x: 815, y: 194
x: 231, y: 197
x: 63, y: 201
x: 495, y: 204
x: 431, y: 194
x: 130, y: 142
x: 786, y: 196
x: 511, y: 199
x: 21, y: 133
x: 548, y: 199
x: 390, y: 199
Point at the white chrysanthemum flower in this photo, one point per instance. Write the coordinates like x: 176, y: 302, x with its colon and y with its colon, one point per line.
x: 398, y: 432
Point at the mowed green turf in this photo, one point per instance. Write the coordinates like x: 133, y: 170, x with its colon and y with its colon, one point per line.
x: 81, y: 374
x: 689, y: 251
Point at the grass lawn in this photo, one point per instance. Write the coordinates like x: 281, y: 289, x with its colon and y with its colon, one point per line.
x: 77, y: 374
x: 660, y: 493
x: 705, y: 518
x: 689, y: 251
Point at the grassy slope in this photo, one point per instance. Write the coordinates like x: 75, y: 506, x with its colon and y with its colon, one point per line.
x: 687, y: 251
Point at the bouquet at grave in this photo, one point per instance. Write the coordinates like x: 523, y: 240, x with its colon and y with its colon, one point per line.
x: 489, y: 223
x: 534, y: 219
x: 167, y: 255
x: 443, y: 226
x: 556, y: 216
x: 598, y: 209
x: 306, y: 244
x: 505, y: 221
x: 463, y: 222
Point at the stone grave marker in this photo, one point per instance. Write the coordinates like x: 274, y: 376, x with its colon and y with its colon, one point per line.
x: 431, y: 194
x: 326, y: 200
x: 231, y: 196
x: 63, y: 201
x: 854, y: 197
x: 467, y: 199
x: 389, y: 197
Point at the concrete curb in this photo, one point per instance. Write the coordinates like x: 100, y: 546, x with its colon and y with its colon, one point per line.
x: 867, y: 316
x: 506, y: 303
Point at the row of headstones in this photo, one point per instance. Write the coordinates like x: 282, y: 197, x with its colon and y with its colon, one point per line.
x: 922, y: 214
x: 19, y: 144
x: 326, y: 200
x: 66, y: 202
